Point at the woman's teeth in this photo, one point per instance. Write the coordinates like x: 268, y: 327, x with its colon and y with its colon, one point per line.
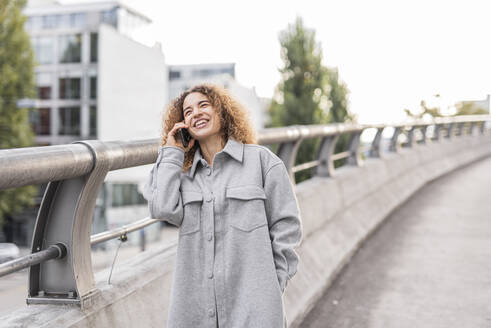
x: 201, y: 124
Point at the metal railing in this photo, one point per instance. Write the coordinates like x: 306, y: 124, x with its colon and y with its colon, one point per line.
x: 75, y: 172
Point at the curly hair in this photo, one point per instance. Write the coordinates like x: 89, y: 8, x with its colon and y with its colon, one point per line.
x: 234, y: 118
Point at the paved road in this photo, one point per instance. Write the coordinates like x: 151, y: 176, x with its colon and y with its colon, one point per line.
x: 429, y: 265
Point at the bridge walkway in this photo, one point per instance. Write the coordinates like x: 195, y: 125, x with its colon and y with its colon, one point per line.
x: 428, y: 265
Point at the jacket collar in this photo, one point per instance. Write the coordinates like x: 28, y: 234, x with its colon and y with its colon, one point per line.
x: 233, y: 147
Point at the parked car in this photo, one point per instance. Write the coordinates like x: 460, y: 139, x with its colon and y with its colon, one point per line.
x: 8, y: 251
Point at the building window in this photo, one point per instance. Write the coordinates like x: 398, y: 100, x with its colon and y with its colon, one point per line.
x: 50, y: 21
x: 93, y: 87
x: 44, y: 92
x: 34, y: 23
x: 110, y: 17
x: 75, y: 20
x: 126, y: 194
x: 93, y: 121
x: 196, y: 72
x: 64, y: 21
x: 174, y: 75
x: 229, y: 71
x: 43, y: 49
x: 93, y: 47
x: 69, y: 121
x: 39, y: 118
x: 70, y: 48
x: 43, y: 83
x: 78, y: 20
x: 69, y: 88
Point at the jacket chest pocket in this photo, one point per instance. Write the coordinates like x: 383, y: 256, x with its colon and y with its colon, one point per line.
x: 246, y: 207
x: 191, y: 202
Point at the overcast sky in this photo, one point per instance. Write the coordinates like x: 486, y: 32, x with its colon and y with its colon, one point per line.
x: 391, y: 54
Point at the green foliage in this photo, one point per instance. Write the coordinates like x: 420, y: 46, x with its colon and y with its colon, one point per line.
x: 308, y: 93
x: 463, y: 108
x: 337, y: 95
x: 302, y: 78
x: 469, y: 108
x: 16, y: 82
x: 338, y: 111
x: 425, y: 111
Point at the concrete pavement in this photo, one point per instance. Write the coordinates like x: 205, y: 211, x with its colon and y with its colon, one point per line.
x: 428, y: 265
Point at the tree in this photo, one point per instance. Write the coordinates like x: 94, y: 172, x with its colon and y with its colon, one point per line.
x: 469, y: 108
x: 425, y: 110
x: 298, y: 94
x: 308, y: 93
x: 16, y: 82
x: 337, y: 98
x: 338, y: 109
x: 462, y: 108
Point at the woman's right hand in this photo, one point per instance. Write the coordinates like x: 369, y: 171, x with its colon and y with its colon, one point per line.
x: 174, y: 139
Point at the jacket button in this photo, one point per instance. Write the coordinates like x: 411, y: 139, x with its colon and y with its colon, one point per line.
x: 211, y: 312
x: 210, y: 275
x: 209, y: 236
x: 208, y: 172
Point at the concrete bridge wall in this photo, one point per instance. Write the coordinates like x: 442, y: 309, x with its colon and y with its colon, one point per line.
x: 338, y: 214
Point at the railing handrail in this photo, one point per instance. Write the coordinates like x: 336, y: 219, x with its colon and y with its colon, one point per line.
x: 52, y: 252
x: 120, y: 231
x: 35, y: 165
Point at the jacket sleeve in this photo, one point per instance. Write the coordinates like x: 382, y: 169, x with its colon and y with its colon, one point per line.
x: 285, y: 227
x: 161, y: 189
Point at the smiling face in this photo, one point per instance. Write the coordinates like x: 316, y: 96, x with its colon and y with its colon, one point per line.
x: 201, y: 116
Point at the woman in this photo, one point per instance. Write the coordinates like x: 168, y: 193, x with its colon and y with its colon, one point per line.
x: 237, y: 215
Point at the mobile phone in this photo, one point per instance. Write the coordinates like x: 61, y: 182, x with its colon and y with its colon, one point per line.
x: 185, y: 136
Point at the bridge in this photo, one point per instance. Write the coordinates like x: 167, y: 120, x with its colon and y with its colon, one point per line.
x: 427, y: 266
x: 413, y: 204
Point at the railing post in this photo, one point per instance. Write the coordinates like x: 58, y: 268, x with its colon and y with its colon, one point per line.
x: 424, y: 128
x: 410, y: 136
x: 354, y: 149
x: 287, y: 151
x: 460, y: 129
x: 65, y: 216
x: 483, y: 127
x: 450, y: 128
x: 437, y: 132
x: 324, y: 155
x: 394, y: 146
x: 375, y: 150
x: 471, y: 128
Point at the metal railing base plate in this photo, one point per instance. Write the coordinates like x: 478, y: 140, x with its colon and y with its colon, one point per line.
x: 52, y: 300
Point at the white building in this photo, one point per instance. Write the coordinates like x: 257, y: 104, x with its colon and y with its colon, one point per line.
x: 95, y: 81
x: 86, y: 88
x: 183, y: 77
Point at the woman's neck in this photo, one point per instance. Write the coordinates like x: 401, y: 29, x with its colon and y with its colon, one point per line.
x: 210, y: 146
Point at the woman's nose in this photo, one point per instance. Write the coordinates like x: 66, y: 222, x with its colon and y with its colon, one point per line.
x: 196, y: 111
x: 192, y: 116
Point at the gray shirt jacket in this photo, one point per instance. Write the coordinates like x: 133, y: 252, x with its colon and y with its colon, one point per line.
x: 238, y: 225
